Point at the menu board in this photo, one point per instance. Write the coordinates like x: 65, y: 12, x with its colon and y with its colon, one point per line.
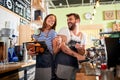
x: 20, y: 7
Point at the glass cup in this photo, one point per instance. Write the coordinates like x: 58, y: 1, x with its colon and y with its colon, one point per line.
x: 107, y: 75
x: 118, y: 71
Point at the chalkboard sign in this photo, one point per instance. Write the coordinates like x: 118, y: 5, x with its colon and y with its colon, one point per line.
x: 20, y: 7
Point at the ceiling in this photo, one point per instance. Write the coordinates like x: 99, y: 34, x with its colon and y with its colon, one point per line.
x: 74, y: 3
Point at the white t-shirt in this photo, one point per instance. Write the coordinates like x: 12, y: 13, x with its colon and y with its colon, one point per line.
x: 65, y: 31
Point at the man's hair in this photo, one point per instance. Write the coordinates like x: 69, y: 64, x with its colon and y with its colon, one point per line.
x: 73, y: 14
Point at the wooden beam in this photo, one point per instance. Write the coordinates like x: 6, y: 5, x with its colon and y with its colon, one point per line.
x: 37, y: 4
x: 89, y: 27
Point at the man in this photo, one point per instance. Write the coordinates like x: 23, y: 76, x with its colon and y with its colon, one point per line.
x: 70, y: 49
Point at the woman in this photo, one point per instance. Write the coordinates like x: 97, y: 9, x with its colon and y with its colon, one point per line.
x: 44, y: 61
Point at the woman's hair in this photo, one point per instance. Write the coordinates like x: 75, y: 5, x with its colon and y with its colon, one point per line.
x: 45, y: 24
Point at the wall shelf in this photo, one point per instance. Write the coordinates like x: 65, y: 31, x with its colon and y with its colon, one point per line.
x: 111, y: 34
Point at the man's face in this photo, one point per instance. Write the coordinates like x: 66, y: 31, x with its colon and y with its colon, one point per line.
x: 71, y: 21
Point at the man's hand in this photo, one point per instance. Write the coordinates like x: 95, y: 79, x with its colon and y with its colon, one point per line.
x: 77, y: 46
x: 80, y: 57
x: 80, y: 49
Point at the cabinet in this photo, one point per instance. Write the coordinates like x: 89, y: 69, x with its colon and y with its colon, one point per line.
x: 17, y: 71
x: 25, y: 33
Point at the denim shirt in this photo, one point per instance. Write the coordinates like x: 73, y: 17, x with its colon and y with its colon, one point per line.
x: 48, y: 39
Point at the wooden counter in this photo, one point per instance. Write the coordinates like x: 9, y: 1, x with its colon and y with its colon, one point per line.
x: 18, y: 70
x: 81, y: 75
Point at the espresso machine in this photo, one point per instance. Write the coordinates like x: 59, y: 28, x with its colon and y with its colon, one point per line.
x: 5, y: 34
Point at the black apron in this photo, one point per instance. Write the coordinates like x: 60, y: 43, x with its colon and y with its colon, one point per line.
x: 44, y: 65
x: 65, y: 64
x: 65, y: 59
x: 44, y: 60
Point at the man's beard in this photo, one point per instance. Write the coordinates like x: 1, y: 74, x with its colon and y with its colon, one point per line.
x: 71, y: 26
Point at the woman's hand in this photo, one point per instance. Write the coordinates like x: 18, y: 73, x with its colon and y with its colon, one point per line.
x: 32, y: 52
x: 57, y: 44
x: 59, y: 41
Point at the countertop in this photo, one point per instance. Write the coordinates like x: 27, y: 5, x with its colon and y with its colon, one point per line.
x: 81, y: 75
x: 14, y: 66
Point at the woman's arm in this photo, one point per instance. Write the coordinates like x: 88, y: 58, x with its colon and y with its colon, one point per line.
x: 56, y: 44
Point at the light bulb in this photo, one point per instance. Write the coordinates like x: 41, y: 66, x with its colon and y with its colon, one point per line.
x: 94, y: 11
x: 97, y: 3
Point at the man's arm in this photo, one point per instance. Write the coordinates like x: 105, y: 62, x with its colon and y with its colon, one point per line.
x: 68, y: 51
x: 81, y: 47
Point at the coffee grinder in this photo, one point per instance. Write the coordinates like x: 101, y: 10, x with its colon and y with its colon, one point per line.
x: 5, y: 34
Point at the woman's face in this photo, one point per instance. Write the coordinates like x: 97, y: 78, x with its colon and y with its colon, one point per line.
x: 50, y: 21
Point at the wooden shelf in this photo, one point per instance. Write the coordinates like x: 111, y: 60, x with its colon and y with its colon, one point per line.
x: 36, y: 4
x: 113, y: 32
